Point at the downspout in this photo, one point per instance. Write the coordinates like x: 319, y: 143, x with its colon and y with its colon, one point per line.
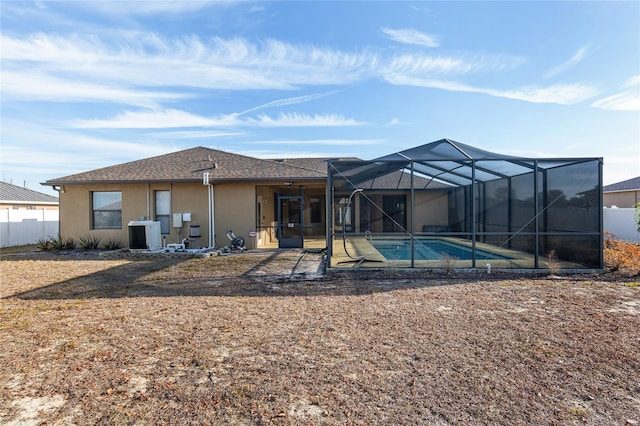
x: 212, y: 233
x: 211, y: 207
x: 149, y: 202
x: 60, y: 191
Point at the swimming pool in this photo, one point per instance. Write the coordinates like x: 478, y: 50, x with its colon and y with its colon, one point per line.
x: 430, y: 249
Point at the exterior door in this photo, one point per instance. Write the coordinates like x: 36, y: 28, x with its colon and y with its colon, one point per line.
x: 395, y: 218
x: 290, y: 222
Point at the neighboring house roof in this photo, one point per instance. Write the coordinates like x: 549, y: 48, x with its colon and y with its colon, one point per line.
x: 626, y: 185
x: 190, y: 164
x: 13, y: 194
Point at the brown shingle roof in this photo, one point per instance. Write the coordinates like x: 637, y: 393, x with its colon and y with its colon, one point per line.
x: 190, y: 164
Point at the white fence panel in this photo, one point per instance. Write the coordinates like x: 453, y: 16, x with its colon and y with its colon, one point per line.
x: 19, y: 227
x: 622, y: 224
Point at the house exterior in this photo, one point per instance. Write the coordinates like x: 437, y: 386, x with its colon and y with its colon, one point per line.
x: 625, y: 194
x: 400, y: 210
x: 19, y: 198
x: 281, y: 202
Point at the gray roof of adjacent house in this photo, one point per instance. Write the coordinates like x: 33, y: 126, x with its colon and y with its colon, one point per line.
x: 632, y: 184
x: 189, y: 165
x: 13, y: 194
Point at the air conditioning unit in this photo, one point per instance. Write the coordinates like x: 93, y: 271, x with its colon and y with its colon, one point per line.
x: 144, y: 235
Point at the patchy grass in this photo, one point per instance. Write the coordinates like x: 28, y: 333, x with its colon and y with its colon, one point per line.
x: 234, y: 340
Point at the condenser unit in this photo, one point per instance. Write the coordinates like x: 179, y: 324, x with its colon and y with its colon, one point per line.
x: 144, y: 235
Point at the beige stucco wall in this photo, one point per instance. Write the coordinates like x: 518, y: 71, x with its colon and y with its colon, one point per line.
x: 234, y: 210
x: 137, y: 203
x: 626, y: 199
x: 234, y: 205
x: 431, y: 208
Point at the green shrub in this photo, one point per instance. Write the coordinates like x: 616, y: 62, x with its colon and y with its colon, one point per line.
x: 112, y: 245
x: 58, y: 243
x: 90, y: 242
x: 43, y: 244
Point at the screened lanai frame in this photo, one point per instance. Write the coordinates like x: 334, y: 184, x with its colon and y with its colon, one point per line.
x: 392, y: 210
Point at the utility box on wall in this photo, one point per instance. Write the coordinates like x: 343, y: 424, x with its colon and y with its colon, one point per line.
x: 194, y: 231
x: 177, y: 220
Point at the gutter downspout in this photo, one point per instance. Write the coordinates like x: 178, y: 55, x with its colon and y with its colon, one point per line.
x: 211, y: 206
x: 60, y: 190
x: 212, y: 231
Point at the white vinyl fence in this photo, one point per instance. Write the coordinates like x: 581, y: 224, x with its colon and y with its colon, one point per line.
x: 621, y: 223
x: 19, y: 227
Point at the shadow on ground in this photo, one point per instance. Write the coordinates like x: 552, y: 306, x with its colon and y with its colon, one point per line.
x: 280, y: 273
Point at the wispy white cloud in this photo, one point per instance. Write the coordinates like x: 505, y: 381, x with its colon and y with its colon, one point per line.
x: 150, y: 7
x: 411, y: 36
x: 289, y: 101
x: 196, y: 134
x: 157, y: 119
x: 564, y: 94
x: 43, y: 153
x: 34, y: 86
x: 626, y: 100
x: 304, y: 120
x: 122, y: 64
x: 571, y: 62
x: 328, y: 142
x: 172, y: 118
x: 436, y: 66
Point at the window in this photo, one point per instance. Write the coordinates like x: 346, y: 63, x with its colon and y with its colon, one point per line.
x: 163, y: 210
x: 106, y: 209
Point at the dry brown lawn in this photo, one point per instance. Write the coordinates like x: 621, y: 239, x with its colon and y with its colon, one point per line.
x: 237, y: 340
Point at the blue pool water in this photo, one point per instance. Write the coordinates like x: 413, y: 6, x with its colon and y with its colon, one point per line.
x: 429, y: 249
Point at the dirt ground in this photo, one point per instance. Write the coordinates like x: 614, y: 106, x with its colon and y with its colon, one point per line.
x: 243, y: 340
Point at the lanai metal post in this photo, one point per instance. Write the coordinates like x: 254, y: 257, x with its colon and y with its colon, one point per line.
x: 536, y: 205
x: 329, y: 202
x: 473, y: 214
x: 509, y: 211
x: 601, y: 209
x: 412, y: 220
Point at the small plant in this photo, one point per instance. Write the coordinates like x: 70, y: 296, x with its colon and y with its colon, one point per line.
x: 112, y: 244
x: 90, y: 242
x: 553, y: 264
x: 58, y: 243
x: 448, y: 262
x: 43, y: 244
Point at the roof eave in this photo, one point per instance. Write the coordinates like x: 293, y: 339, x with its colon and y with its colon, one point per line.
x: 211, y: 180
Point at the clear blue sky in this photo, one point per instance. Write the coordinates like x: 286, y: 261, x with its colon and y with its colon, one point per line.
x: 87, y: 84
